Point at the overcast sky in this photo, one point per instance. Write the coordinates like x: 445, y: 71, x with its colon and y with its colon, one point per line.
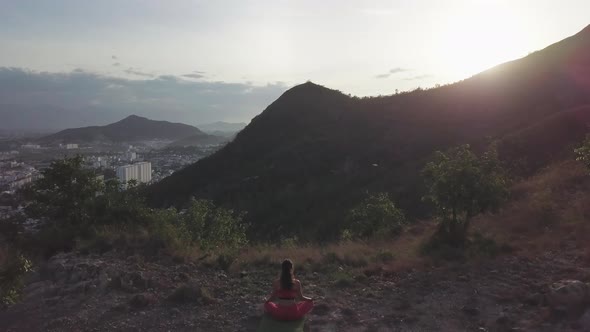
x: 233, y: 48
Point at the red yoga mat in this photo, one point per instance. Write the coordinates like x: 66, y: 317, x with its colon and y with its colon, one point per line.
x: 288, y: 312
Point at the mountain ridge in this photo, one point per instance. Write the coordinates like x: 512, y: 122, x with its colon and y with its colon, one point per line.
x: 131, y: 128
x: 314, y: 152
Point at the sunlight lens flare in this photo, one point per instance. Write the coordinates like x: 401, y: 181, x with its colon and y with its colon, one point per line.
x: 480, y: 36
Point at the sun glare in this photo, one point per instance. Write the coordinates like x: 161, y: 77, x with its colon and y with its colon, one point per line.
x: 480, y: 36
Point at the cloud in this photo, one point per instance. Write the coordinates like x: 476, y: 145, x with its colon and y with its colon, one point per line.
x: 81, y: 98
x: 418, y: 77
x: 116, y: 64
x: 168, y: 77
x: 392, y: 71
x: 132, y: 71
x: 194, y: 75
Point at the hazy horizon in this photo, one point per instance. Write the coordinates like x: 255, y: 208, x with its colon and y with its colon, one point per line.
x: 198, y: 62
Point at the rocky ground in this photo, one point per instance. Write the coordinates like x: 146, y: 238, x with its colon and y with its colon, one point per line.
x: 111, y: 293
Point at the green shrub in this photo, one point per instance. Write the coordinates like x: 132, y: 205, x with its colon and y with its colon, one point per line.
x: 461, y: 185
x: 543, y: 206
x: 290, y: 242
x: 583, y: 152
x: 346, y: 235
x: 477, y: 245
x: 226, y: 259
x: 331, y: 258
x: 384, y: 256
x: 376, y: 216
x: 213, y: 227
x: 354, y: 261
x: 191, y: 293
x: 342, y: 279
x: 13, y: 267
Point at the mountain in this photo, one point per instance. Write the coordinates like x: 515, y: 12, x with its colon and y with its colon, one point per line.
x: 315, y: 152
x: 220, y: 128
x: 132, y: 128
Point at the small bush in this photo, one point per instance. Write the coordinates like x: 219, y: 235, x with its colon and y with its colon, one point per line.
x: 377, y: 216
x: 191, y: 293
x: 475, y: 246
x: 439, y: 248
x: 342, y: 279
x: 384, y: 256
x: 352, y: 261
x: 13, y: 267
x: 213, y: 228
x: 544, y: 207
x: 583, y: 152
x: 262, y: 260
x: 290, y: 242
x: 346, y: 235
x: 225, y: 260
x: 483, y: 246
x: 331, y: 258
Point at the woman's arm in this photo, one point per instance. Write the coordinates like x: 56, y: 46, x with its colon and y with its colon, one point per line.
x: 300, y: 296
x: 273, y: 294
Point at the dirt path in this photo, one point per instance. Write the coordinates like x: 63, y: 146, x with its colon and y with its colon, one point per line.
x: 107, y: 293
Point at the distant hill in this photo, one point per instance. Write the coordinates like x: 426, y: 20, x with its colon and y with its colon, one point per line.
x: 222, y: 128
x: 315, y: 152
x: 132, y: 128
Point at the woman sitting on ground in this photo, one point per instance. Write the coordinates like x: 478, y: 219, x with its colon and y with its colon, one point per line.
x: 286, y: 302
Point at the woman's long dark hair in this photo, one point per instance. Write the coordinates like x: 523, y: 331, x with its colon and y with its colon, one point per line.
x: 287, y: 274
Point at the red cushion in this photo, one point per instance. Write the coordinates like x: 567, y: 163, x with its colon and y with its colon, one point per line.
x: 288, y: 312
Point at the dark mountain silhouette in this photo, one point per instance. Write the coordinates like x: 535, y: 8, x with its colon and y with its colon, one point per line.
x: 132, y: 128
x: 315, y: 152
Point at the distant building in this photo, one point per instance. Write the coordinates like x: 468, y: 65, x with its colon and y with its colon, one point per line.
x: 71, y: 146
x: 19, y: 183
x: 31, y: 146
x: 131, y: 156
x: 140, y: 172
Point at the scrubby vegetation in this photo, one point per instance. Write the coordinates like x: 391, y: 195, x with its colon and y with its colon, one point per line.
x: 13, y: 262
x: 583, y: 152
x: 79, y: 210
x: 13, y: 266
x: 375, y: 217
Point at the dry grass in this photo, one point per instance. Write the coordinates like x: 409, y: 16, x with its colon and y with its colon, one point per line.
x: 399, y: 254
x: 549, y: 211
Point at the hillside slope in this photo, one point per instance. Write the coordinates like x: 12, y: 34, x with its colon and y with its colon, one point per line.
x: 541, y: 239
x: 314, y: 152
x: 132, y: 128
